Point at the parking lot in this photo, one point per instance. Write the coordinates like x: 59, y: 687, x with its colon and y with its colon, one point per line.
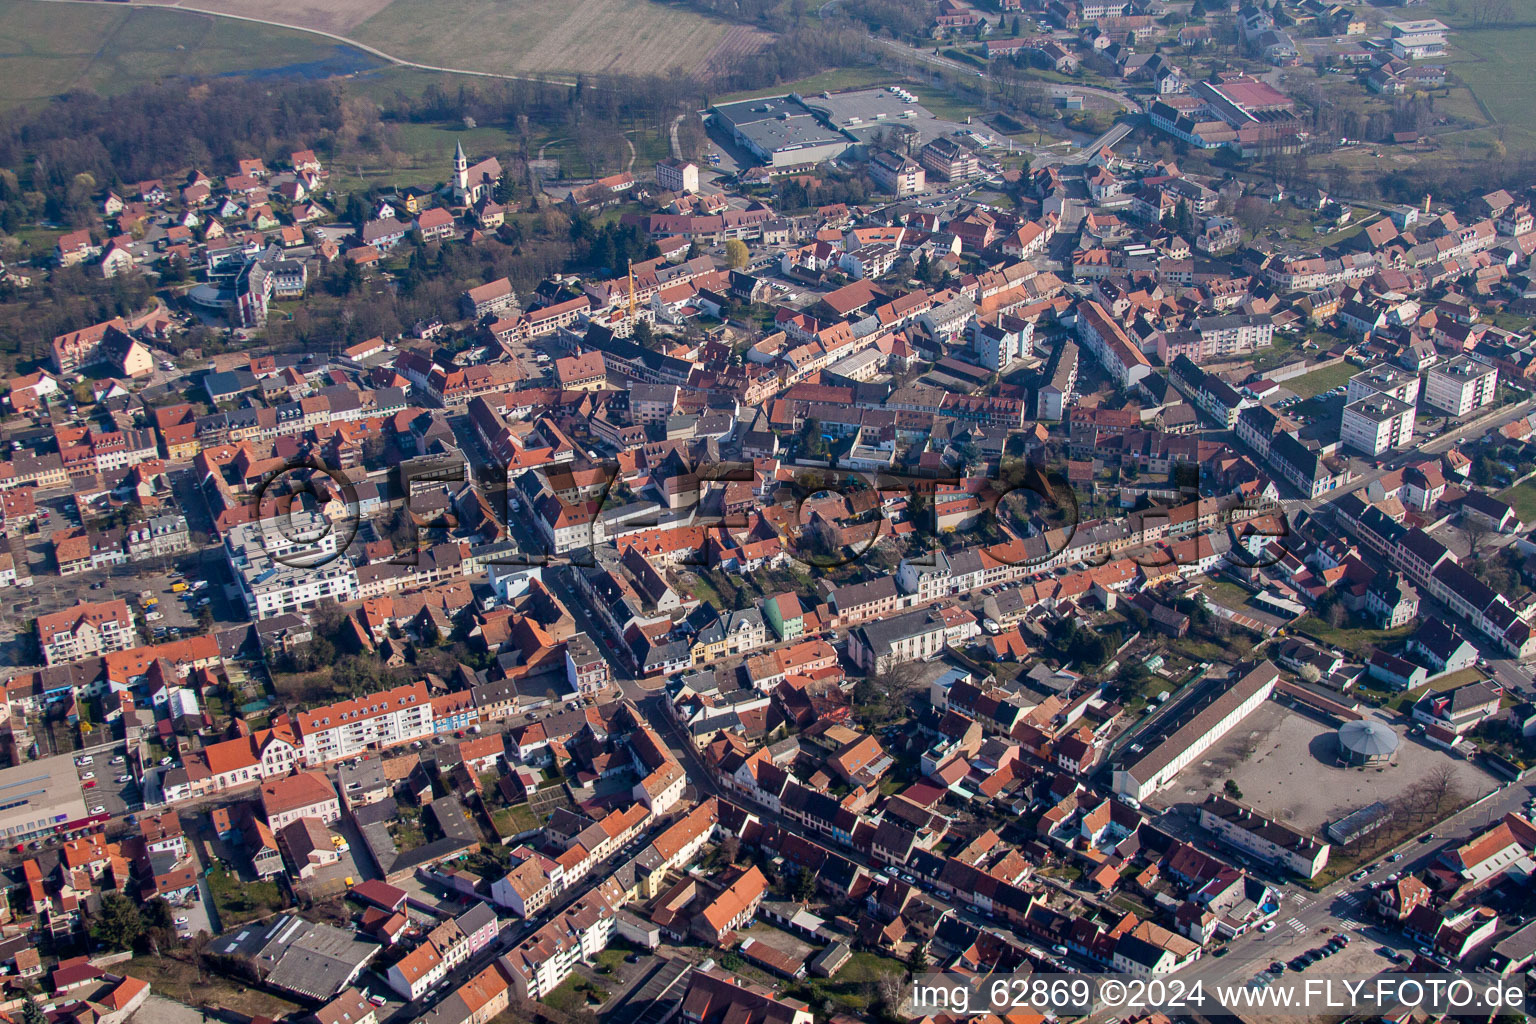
x: 107, y: 783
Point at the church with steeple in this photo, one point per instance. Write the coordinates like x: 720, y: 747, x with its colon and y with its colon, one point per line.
x: 473, y: 183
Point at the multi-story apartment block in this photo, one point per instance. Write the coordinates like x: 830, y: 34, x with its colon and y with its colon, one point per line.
x: 1376, y: 424
x: 1460, y: 385
x: 915, y: 636
x: 528, y: 886
x: 1384, y: 379
x: 303, y: 795
x: 85, y: 631
x: 1108, y: 342
x: 158, y: 537
x: 949, y: 160
x: 676, y: 175
x: 1270, y: 841
x: 542, y: 961
x: 899, y: 175
x: 586, y: 667
x: 373, y: 722
x: 288, y: 569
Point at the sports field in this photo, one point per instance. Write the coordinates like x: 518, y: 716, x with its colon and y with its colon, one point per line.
x: 1494, y: 61
x: 49, y: 48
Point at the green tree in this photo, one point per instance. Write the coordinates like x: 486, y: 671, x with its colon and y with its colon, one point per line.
x: 1232, y: 790
x: 917, y: 958
x: 736, y: 253
x: 805, y: 885
x: 31, y: 1013
x: 119, y: 924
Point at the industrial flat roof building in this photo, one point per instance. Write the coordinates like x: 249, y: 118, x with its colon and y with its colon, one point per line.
x: 782, y: 131
x: 38, y: 797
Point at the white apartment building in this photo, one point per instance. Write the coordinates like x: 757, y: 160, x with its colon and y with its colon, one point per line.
x: 915, y: 636
x: 270, y: 589
x: 1270, y: 841
x: 288, y: 567
x: 86, y: 631
x: 1234, y: 332
x: 1384, y: 379
x: 546, y: 958
x: 526, y: 888
x: 1378, y: 424
x: 1460, y: 385
x: 569, y: 526
x: 1108, y: 342
x: 372, y: 722
x: 998, y: 346
x: 676, y: 175
x: 898, y: 175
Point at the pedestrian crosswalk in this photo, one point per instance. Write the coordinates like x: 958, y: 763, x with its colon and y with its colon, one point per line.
x: 1351, y: 899
x: 1300, y: 899
x: 1295, y: 925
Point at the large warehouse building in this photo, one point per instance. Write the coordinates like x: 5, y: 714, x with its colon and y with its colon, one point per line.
x: 1201, y: 729
x: 782, y: 131
x: 39, y: 798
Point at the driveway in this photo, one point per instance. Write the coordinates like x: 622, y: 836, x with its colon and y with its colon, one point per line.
x: 197, y: 915
x: 160, y: 1010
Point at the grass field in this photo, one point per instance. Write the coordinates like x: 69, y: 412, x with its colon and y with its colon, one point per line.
x: 1494, y: 61
x: 1356, y: 641
x: 1318, y: 381
x: 1522, y: 498
x: 839, y: 80
x: 615, y: 36
x: 47, y: 48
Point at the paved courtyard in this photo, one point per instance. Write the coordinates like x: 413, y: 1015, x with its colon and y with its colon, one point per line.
x: 1284, y: 764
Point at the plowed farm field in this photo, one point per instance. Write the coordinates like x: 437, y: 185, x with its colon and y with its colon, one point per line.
x: 512, y: 36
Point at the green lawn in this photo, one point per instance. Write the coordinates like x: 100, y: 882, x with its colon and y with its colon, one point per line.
x: 838, y: 80
x: 1455, y: 679
x: 852, y: 991
x: 575, y: 993
x: 1522, y: 498
x: 1350, y: 639
x: 48, y: 49
x: 1494, y: 62
x: 238, y: 901
x: 511, y: 821
x: 1318, y: 381
x: 1282, y: 351
x: 1226, y: 593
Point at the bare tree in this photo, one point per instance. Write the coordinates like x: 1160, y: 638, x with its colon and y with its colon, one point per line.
x: 1441, y: 788
x: 1477, y: 531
